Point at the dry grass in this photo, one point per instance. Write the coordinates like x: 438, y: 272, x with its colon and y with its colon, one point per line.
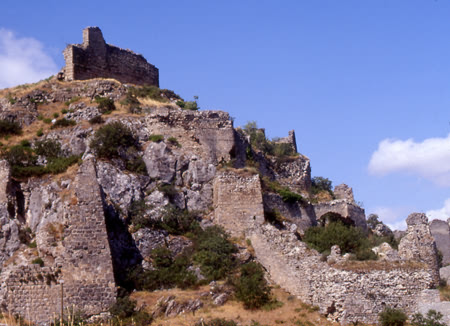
x: 156, y: 104
x: 293, y: 312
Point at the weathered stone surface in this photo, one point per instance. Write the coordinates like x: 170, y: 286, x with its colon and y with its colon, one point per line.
x: 429, y: 300
x: 441, y: 233
x: 346, y: 209
x: 171, y: 307
x: 343, y: 191
x: 382, y: 230
x: 238, y: 203
x: 418, y: 244
x: 385, y: 252
x: 147, y: 240
x: 444, y: 273
x: 83, y: 261
x: 94, y: 58
x: 161, y: 164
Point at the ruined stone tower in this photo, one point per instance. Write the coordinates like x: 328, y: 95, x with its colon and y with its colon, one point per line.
x: 94, y: 58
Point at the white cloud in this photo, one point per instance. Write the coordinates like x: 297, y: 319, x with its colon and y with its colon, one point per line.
x: 395, y: 218
x: 440, y: 214
x: 22, y: 60
x: 429, y: 159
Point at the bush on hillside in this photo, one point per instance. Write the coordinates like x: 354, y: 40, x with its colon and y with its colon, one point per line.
x: 349, y: 239
x: 213, y: 252
x: 112, y: 138
x: 62, y: 123
x: 251, y: 287
x: 178, y: 221
x: 392, y: 317
x: 105, y: 104
x: 319, y: 184
x: 432, y: 318
x: 9, y: 128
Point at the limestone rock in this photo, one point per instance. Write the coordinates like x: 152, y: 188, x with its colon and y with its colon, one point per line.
x: 160, y: 162
x: 441, y: 233
x: 343, y: 191
x: 382, y: 230
x: 385, y: 252
x: 418, y: 243
x: 444, y: 273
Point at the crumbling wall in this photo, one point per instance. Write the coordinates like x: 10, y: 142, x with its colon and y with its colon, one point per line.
x: 94, y: 58
x: 83, y: 261
x: 441, y: 233
x: 345, y: 208
x: 238, y: 202
x: 343, y: 294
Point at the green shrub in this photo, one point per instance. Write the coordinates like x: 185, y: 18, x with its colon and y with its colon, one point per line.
x: 213, y: 252
x: 47, y: 120
x: 171, y: 95
x: 96, y: 120
x: 432, y: 318
x: 124, y: 310
x: 72, y: 100
x: 251, y: 287
x: 319, y: 184
x: 25, y: 143
x: 49, y: 148
x: 105, y: 104
x: 178, y: 221
x: 9, y: 128
x: 290, y: 197
x: 64, y: 111
x: 61, y: 123
x: 168, y: 189
x: 173, y: 141
x: 38, y: 261
x: 156, y: 138
x: 137, y: 215
x: 392, y: 317
x: 112, y: 138
x: 349, y: 239
x: 40, y: 133
x: 56, y: 115
x: 32, y: 244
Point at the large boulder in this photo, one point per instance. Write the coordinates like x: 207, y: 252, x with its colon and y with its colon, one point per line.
x: 441, y: 233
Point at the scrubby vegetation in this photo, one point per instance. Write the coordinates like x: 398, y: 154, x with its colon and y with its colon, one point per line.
x: 392, y: 317
x: 105, y: 104
x: 350, y: 239
x: 24, y: 159
x: 125, y: 312
x: 432, y: 318
x: 319, y: 184
x: 286, y: 194
x: 115, y: 140
x: 251, y: 287
x: 258, y: 141
x: 9, y: 128
x: 62, y: 123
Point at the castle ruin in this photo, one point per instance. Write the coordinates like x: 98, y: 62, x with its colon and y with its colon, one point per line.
x: 96, y: 59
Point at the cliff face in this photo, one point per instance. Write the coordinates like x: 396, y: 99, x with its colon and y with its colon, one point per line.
x: 77, y: 227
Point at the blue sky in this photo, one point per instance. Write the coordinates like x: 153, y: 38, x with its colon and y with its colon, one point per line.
x: 365, y: 84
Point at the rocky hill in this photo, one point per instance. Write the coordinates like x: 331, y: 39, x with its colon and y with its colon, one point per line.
x: 95, y: 175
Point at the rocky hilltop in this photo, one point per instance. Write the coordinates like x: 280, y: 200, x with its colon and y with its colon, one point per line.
x: 90, y: 170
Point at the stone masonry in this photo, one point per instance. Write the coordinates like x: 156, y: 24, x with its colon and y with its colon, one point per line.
x: 94, y: 58
x: 344, y: 294
x: 84, y: 265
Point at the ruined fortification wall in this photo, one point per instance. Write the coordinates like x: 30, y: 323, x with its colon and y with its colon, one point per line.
x: 345, y: 208
x: 83, y: 261
x: 238, y: 202
x: 343, y: 292
x: 94, y: 58
x: 343, y: 295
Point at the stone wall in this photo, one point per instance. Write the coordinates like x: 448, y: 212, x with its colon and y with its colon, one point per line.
x: 345, y: 208
x: 94, y: 58
x: 82, y: 260
x: 441, y: 233
x: 343, y: 294
x: 238, y: 202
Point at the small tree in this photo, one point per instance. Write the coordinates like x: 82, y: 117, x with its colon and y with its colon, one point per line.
x: 373, y: 221
x: 433, y: 318
x: 252, y: 288
x: 392, y: 317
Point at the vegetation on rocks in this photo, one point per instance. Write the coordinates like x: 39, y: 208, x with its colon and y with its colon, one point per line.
x: 9, y: 128
x: 115, y: 140
x: 24, y: 159
x: 251, y: 287
x: 392, y: 317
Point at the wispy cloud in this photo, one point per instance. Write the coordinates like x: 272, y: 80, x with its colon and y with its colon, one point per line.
x: 394, y: 217
x: 441, y: 213
x: 22, y: 60
x: 429, y: 159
